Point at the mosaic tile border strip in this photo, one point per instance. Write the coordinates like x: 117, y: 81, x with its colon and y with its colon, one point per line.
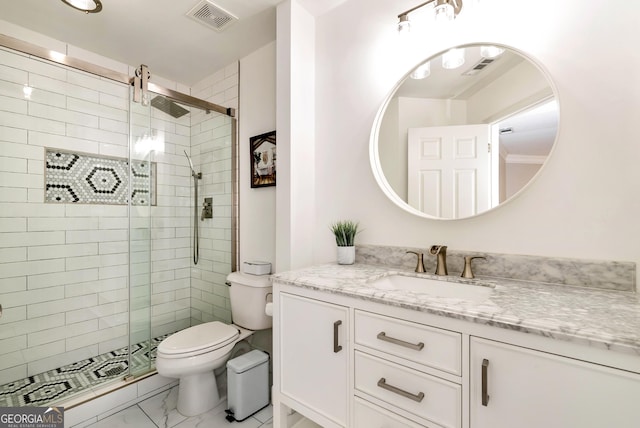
x: 92, y: 179
x: 53, y: 385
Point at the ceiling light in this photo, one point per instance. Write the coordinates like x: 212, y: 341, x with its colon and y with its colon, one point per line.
x: 445, y: 10
x: 422, y: 72
x: 453, y: 58
x: 86, y: 6
x: 490, y: 51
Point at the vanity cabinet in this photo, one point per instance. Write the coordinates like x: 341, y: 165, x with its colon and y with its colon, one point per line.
x: 314, y: 346
x: 518, y: 387
x: 352, y: 363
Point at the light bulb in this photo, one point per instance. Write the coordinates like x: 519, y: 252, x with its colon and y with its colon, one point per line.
x: 404, y: 25
x: 444, y: 12
x: 27, y: 91
x: 490, y: 51
x: 453, y: 58
x: 422, y: 72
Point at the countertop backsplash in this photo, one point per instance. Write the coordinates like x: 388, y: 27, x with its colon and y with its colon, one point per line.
x: 606, y: 275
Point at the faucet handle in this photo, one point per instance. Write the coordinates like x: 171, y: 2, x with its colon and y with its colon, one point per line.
x: 467, y: 272
x: 420, y: 261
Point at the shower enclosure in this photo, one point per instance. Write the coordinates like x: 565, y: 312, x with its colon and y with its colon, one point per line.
x: 96, y: 223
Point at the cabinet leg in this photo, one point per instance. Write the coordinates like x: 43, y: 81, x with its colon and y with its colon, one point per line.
x: 280, y: 415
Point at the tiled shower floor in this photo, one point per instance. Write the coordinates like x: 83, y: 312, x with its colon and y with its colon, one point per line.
x: 54, y: 385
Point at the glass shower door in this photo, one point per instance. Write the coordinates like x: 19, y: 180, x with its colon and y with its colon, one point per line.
x: 141, y: 152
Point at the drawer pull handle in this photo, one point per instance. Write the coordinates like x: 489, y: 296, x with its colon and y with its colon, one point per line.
x: 383, y: 336
x: 336, y: 348
x: 382, y: 383
x: 485, y: 386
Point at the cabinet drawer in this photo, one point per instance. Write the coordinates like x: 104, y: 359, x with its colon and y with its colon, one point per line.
x: 371, y: 416
x: 440, y: 349
x: 426, y: 396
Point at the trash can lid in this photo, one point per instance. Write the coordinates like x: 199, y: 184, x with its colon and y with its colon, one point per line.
x: 247, y: 361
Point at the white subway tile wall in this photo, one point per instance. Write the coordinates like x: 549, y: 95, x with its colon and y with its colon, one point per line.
x: 211, y: 141
x: 64, y: 268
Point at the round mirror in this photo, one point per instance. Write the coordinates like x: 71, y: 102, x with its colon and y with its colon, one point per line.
x: 464, y: 131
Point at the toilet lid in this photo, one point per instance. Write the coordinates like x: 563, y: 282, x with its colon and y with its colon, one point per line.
x: 208, y: 335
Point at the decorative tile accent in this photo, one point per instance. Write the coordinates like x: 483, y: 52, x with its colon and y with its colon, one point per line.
x: 92, y: 179
x: 53, y: 385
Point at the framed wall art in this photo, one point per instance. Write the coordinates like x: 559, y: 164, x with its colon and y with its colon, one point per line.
x: 263, y: 159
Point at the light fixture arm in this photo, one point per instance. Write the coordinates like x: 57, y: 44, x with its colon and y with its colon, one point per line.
x: 457, y: 7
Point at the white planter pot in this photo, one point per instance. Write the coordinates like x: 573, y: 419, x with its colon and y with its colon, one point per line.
x: 346, y: 255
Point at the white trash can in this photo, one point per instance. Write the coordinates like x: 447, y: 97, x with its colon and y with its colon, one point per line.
x: 247, y: 384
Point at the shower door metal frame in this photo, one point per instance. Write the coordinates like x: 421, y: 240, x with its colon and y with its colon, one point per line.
x: 59, y: 58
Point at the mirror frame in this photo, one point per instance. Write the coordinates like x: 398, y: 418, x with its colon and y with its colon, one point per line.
x: 374, y: 153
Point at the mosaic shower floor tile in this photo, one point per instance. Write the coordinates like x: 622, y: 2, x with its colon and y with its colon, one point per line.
x: 53, y: 385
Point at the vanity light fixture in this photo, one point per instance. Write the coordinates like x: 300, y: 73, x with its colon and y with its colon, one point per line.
x: 445, y: 10
x: 86, y: 6
x: 403, y: 24
x: 490, y: 51
x: 422, y: 72
x: 453, y: 58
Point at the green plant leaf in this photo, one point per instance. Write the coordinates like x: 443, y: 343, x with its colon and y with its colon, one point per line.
x: 345, y: 232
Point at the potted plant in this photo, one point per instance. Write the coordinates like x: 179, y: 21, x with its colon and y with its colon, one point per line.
x: 345, y: 233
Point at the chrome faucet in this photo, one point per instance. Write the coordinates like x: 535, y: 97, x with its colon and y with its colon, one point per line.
x: 440, y: 251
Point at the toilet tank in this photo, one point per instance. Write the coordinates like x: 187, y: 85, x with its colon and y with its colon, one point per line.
x: 248, y: 294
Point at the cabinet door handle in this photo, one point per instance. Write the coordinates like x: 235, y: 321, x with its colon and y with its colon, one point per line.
x: 485, y: 386
x: 382, y: 383
x: 336, y: 348
x: 415, y: 346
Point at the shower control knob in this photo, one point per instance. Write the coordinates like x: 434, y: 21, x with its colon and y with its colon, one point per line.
x: 207, y: 209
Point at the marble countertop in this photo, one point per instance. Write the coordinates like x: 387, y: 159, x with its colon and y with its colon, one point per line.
x: 598, y: 318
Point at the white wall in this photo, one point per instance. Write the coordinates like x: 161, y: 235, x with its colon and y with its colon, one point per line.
x: 585, y: 203
x: 296, y: 103
x: 257, y: 116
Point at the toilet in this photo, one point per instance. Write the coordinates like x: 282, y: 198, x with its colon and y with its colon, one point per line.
x: 192, y: 354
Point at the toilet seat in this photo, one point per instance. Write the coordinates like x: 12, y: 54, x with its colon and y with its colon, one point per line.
x: 199, y: 339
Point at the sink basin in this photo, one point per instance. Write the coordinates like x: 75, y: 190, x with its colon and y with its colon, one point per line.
x: 434, y: 287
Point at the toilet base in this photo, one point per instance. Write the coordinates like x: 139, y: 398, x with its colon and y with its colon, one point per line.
x: 197, y: 394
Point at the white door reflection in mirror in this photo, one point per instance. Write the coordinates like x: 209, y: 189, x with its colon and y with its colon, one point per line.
x: 449, y: 170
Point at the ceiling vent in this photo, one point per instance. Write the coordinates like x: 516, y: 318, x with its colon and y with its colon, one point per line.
x: 478, y: 67
x: 211, y: 15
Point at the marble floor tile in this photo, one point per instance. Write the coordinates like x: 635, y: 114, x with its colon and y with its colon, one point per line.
x: 160, y: 411
x: 216, y: 419
x: 131, y: 417
x: 161, y: 408
x: 265, y: 414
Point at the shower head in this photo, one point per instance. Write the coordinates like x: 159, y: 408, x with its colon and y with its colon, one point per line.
x: 193, y: 171
x: 167, y: 106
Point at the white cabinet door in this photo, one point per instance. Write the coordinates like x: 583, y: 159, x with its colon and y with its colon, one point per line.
x: 314, y: 345
x: 525, y: 388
